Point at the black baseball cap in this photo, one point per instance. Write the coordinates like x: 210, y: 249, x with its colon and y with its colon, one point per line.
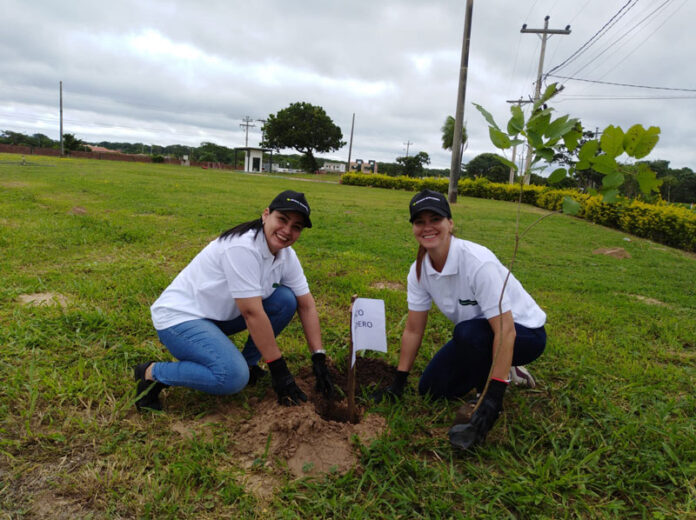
x: 429, y: 200
x: 292, y: 201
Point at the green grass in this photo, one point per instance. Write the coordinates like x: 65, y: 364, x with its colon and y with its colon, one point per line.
x: 608, y: 433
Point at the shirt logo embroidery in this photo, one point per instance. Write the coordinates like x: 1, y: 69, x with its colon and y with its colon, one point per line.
x: 468, y: 302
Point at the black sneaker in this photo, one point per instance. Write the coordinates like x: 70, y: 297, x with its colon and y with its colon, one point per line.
x: 255, y: 373
x: 149, y: 390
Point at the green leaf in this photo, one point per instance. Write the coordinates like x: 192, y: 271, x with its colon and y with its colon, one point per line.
x: 557, y: 176
x: 588, y: 151
x: 498, y: 138
x: 516, y: 123
x: 545, y: 153
x: 612, y: 141
x: 639, y: 142
x: 506, y: 162
x: 560, y: 127
x: 610, y: 195
x: 570, y: 139
x: 517, y: 142
x: 550, y: 91
x: 604, y: 164
x: 647, y: 179
x: 583, y: 165
x: 613, y: 180
x: 534, y: 139
x: 570, y: 206
x: 487, y: 115
x: 539, y: 122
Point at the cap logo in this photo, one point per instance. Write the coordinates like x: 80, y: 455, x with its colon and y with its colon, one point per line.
x: 427, y: 198
x: 298, y: 203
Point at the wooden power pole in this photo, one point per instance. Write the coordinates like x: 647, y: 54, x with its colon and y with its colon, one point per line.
x: 545, y: 33
x: 61, y: 119
x: 456, y: 165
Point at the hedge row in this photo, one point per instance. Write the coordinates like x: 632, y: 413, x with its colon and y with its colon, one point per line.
x: 671, y: 225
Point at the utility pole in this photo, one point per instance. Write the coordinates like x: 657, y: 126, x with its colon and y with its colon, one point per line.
x: 456, y: 165
x: 61, y: 119
x: 408, y: 143
x: 514, y: 148
x: 246, y: 124
x: 350, y: 146
x: 545, y: 32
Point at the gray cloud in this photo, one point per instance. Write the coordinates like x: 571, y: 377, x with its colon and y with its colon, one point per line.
x: 175, y: 71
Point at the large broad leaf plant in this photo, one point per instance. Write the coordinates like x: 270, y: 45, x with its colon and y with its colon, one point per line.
x: 542, y: 132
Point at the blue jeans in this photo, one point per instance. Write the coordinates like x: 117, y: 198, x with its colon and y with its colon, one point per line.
x: 208, y: 360
x: 464, y: 362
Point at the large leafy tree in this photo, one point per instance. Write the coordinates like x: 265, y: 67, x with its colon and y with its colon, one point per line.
x: 304, y: 127
x: 413, y: 166
x: 487, y: 165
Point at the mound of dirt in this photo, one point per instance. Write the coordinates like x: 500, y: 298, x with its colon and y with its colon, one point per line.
x: 310, y: 439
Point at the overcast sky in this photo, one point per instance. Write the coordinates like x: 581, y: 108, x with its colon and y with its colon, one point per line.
x: 184, y: 72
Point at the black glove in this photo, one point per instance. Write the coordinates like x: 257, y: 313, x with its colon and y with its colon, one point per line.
x: 321, y: 372
x: 284, y: 384
x: 255, y: 373
x: 393, y: 391
x: 474, y: 432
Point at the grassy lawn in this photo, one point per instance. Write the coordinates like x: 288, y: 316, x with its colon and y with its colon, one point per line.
x: 609, y: 431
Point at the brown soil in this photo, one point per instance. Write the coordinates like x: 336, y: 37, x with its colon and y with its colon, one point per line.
x: 616, y: 252
x: 311, y: 439
x: 43, y: 299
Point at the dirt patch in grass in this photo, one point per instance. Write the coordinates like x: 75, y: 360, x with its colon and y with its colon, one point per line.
x: 78, y: 210
x: 393, y: 286
x: 616, y: 252
x: 311, y: 439
x: 43, y: 299
x: 649, y: 301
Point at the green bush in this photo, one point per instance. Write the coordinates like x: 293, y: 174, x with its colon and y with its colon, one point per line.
x: 667, y: 224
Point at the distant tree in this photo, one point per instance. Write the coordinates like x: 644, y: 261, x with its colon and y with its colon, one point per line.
x: 448, y: 134
x: 304, y: 127
x: 73, y: 144
x: 413, y: 165
x: 489, y: 166
x: 15, y: 138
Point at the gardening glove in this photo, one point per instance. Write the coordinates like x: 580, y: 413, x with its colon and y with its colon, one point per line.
x: 321, y: 372
x: 393, y: 391
x: 465, y: 436
x: 284, y: 384
x: 255, y: 373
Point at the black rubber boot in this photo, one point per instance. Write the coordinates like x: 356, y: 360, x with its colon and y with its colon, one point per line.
x: 150, y: 399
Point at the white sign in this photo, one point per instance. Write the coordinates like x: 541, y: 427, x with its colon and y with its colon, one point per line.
x: 368, y: 326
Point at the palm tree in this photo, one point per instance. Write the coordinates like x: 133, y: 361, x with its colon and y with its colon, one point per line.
x: 448, y: 135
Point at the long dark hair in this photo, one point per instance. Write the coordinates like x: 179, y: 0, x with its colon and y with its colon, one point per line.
x: 242, y: 228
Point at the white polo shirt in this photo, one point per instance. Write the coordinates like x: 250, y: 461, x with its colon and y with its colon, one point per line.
x: 236, y: 267
x: 469, y: 287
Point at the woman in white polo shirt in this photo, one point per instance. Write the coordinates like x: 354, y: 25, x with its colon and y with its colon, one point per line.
x: 247, y: 278
x: 465, y: 280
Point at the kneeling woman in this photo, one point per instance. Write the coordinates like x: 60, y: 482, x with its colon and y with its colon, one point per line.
x: 465, y: 280
x: 247, y: 278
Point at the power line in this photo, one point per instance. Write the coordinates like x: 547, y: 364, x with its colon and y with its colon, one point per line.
x: 646, y: 38
x: 594, y: 37
x: 613, y: 45
x: 622, y: 84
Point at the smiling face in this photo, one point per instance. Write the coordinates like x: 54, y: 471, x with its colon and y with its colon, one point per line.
x: 281, y: 228
x: 432, y: 231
